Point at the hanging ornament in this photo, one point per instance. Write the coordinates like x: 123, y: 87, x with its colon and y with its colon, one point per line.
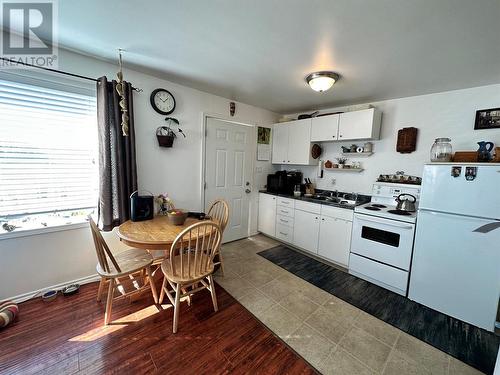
x: 120, y: 89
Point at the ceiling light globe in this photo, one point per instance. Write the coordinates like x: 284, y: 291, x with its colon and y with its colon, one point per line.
x: 322, y: 81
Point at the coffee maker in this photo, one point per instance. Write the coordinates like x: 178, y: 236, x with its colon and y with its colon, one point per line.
x: 283, y: 182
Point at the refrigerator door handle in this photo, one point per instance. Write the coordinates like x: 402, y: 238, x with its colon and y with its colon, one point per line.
x: 486, y: 228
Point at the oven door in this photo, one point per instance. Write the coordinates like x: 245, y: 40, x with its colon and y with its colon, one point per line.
x: 384, y: 240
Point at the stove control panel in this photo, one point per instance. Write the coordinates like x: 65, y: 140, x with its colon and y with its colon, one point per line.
x: 386, y: 193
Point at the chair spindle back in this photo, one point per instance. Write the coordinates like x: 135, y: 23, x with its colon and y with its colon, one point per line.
x: 102, y: 249
x: 195, y: 248
x: 219, y: 212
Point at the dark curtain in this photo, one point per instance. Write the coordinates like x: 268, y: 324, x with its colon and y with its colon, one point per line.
x: 117, y: 158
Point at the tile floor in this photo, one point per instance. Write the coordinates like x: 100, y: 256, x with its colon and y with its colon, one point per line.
x: 332, y: 335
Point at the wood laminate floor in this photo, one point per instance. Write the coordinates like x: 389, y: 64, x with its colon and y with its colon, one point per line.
x: 66, y: 336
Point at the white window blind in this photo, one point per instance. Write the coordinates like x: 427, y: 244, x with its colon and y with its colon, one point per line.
x: 48, y: 146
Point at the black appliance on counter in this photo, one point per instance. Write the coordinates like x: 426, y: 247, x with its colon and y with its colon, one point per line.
x: 141, y: 206
x: 283, y: 182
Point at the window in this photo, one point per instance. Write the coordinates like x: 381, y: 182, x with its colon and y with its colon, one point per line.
x: 48, y: 150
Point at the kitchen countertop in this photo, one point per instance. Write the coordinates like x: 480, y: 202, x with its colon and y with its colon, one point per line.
x: 362, y: 199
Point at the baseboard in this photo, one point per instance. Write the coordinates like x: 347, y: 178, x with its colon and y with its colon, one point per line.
x: 29, y: 295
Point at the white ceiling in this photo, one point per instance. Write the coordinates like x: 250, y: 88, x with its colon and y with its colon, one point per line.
x: 259, y: 51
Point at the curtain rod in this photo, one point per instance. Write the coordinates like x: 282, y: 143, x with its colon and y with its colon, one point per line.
x: 61, y: 72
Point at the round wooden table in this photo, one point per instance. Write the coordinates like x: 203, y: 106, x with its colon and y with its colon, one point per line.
x: 155, y: 234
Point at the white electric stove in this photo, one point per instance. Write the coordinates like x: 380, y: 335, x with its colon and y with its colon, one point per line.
x: 382, y: 238
x: 383, y: 203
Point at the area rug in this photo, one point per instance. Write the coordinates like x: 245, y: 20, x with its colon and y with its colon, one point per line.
x: 474, y: 346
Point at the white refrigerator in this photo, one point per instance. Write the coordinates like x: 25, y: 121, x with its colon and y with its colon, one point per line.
x: 456, y: 257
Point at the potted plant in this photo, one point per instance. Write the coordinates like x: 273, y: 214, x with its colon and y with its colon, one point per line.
x: 166, y: 134
x: 165, y: 203
x: 341, y: 161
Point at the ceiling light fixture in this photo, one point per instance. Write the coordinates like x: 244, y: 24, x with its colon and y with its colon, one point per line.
x: 322, y: 81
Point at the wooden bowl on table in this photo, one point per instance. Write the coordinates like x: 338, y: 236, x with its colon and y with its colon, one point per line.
x: 177, y: 216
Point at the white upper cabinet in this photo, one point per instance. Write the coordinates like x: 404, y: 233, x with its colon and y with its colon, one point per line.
x: 280, y: 144
x: 292, y: 139
x: 364, y: 124
x: 325, y: 128
x: 292, y: 143
x: 348, y: 126
x: 299, y: 142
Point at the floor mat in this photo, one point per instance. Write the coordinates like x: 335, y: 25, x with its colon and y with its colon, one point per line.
x: 469, y: 344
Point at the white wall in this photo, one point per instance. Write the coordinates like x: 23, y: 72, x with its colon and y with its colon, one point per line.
x: 448, y: 114
x: 31, y: 263
x: 36, y: 262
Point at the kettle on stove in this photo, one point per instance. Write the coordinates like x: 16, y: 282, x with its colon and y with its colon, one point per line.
x: 407, y: 204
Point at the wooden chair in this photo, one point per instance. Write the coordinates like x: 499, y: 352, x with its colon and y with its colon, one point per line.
x: 219, y: 212
x: 132, y: 264
x: 190, y: 265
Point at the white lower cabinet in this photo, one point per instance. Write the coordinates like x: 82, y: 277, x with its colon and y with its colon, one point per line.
x: 267, y: 214
x: 306, y: 230
x: 320, y: 229
x: 335, y: 239
x: 284, y: 233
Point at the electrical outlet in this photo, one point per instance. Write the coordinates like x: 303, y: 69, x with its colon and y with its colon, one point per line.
x: 333, y: 181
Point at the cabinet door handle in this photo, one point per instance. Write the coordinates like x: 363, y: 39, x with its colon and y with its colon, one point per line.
x: 284, y: 221
x: 323, y: 219
x: 340, y: 135
x: 284, y: 234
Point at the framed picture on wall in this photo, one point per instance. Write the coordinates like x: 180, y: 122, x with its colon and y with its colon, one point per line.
x: 487, y: 119
x: 263, y: 143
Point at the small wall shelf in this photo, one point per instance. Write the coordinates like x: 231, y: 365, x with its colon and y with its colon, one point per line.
x: 352, y: 170
x: 356, y: 154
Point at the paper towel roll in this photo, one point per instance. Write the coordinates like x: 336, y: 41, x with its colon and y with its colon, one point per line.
x: 320, y: 169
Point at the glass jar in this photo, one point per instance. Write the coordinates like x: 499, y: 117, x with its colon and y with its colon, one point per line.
x: 441, y: 150
x: 296, y: 191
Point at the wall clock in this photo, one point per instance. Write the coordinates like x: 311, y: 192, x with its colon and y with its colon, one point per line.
x: 162, y: 101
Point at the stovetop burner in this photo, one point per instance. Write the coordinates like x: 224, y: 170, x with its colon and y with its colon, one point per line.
x: 372, y: 208
x: 400, y: 212
x: 379, y: 205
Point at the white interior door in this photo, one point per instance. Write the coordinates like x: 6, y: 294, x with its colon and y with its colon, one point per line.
x: 228, y: 172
